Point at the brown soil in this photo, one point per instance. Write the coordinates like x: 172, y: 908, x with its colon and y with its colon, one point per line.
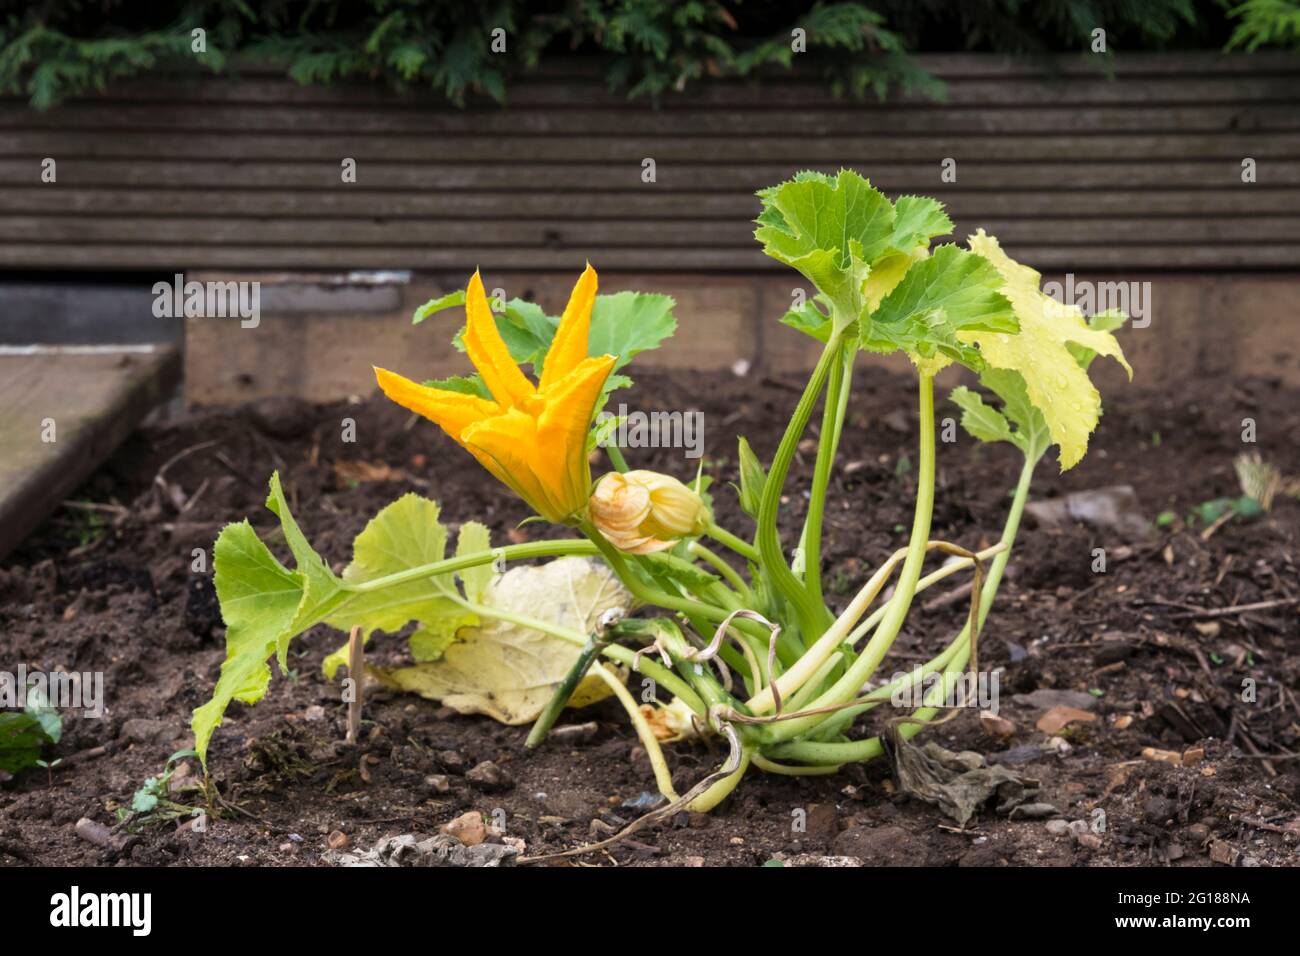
x: 115, y: 593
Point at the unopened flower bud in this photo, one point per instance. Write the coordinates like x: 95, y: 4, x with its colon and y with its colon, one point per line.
x: 644, y: 511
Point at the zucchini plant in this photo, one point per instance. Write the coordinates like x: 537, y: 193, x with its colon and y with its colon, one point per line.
x: 747, y: 644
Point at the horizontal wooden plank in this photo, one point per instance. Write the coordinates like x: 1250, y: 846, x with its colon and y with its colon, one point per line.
x: 638, y: 203
x: 1110, y: 256
x: 1085, y: 85
x: 832, y: 148
x: 582, y: 177
x: 351, y: 124
x: 594, y: 235
x: 572, y: 119
x: 93, y: 402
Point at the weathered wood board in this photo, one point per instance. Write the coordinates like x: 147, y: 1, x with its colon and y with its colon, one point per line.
x: 62, y: 411
x: 1073, y: 168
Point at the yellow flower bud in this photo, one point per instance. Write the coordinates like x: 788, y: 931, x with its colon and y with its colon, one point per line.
x: 643, y: 511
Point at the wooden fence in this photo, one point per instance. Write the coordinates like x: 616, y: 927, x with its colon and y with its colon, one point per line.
x: 1074, y: 171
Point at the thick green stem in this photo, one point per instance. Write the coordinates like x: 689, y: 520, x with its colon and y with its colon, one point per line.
x: 726, y: 570
x: 511, y: 552
x: 837, y: 394
x: 954, y: 658
x: 711, y: 797
x: 739, y: 545
x: 649, y: 595
x: 846, y: 688
x: 615, y: 456
x: 646, y: 666
x: 663, y: 776
x: 768, y: 541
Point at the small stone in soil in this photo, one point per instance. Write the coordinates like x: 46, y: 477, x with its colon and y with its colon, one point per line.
x: 1060, y: 717
x: 337, y: 840
x: 468, y: 828
x: 1057, y: 827
x: 450, y: 760
x: 1033, y: 811
x: 438, y: 782
x: 1223, y: 852
x: 996, y: 726
x: 489, y: 777
x: 823, y: 823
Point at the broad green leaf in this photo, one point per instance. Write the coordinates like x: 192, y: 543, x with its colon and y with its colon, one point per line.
x: 21, y: 740
x: 406, y: 534
x: 464, y: 384
x: 510, y: 672
x: 1055, y: 383
x: 810, y: 320
x: 1029, y: 434
x: 940, y: 296
x: 623, y: 324
x: 449, y: 301
x: 980, y: 420
x: 824, y: 229
x: 265, y: 605
x: 259, y: 600
x: 320, y: 585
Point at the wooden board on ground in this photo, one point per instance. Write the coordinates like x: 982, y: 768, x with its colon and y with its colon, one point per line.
x: 62, y: 411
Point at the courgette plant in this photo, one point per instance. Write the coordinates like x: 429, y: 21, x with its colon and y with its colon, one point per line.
x: 757, y: 655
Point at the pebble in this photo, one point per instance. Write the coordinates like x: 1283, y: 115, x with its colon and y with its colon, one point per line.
x: 1061, y: 716
x: 823, y: 823
x: 1223, y: 852
x: 1057, y: 827
x: 468, y: 828
x: 438, y: 782
x: 996, y: 726
x: 878, y: 846
x: 1033, y: 811
x: 450, y: 760
x: 337, y: 840
x: 488, y: 776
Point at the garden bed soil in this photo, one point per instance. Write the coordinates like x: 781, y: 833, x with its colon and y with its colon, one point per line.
x: 112, y: 590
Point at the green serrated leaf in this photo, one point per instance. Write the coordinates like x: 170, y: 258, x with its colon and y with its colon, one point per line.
x: 259, y: 600
x: 824, y: 228
x: 950, y: 292
x: 978, y: 419
x: 21, y: 740
x: 449, y: 301
x: 471, y: 384
x: 265, y: 605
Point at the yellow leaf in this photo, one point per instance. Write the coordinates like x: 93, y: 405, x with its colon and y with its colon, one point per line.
x: 510, y: 672
x: 1060, y: 389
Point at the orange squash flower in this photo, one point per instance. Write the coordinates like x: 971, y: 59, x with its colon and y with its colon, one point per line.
x: 531, y: 437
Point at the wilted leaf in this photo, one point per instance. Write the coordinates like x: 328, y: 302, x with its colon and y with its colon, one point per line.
x: 1055, y: 382
x: 510, y: 672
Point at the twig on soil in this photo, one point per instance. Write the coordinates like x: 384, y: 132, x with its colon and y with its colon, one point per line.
x: 356, y: 671
x: 1236, y: 609
x: 729, y: 767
